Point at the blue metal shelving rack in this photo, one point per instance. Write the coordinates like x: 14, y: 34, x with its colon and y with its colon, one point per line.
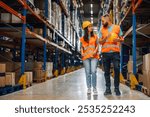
x: 56, y: 36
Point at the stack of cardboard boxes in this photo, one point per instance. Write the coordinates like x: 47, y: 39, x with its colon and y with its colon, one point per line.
x: 130, y: 66
x: 130, y: 69
x: 13, y: 73
x: 38, y: 71
x: 9, y: 18
x: 2, y: 75
x: 6, y: 78
x: 10, y: 79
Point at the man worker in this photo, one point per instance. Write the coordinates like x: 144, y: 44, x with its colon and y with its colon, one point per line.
x: 110, y: 38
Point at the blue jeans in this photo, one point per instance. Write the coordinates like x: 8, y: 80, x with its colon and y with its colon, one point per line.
x: 107, y: 58
x: 91, y: 70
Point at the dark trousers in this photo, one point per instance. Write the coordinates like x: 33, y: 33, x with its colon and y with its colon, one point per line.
x: 107, y: 58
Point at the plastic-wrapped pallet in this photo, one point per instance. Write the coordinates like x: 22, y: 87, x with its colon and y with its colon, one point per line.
x: 53, y: 17
x: 68, y: 30
x: 74, y: 38
x: 49, y: 69
x: 55, y: 13
x: 49, y: 10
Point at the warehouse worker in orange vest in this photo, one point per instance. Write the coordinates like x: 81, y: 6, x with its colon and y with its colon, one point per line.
x: 110, y: 39
x: 90, y: 56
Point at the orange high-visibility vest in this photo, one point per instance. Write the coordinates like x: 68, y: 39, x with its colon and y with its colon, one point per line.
x: 88, y: 48
x: 110, y: 45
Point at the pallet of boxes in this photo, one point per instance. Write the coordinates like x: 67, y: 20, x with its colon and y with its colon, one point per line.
x: 28, y: 73
x: 7, y: 80
x: 2, y: 75
x: 146, y: 74
x: 38, y: 73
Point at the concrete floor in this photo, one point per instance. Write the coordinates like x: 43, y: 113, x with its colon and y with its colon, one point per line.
x: 72, y: 86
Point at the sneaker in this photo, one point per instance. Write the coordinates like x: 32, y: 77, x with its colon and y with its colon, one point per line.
x: 95, y: 92
x: 107, y: 92
x: 89, y: 91
x: 117, y: 91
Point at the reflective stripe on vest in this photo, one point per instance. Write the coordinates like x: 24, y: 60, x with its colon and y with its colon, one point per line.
x: 89, y: 47
x: 110, y: 46
x: 87, y: 53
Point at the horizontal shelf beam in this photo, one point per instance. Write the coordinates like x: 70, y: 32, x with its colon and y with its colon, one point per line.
x: 139, y: 26
x: 47, y: 41
x: 12, y: 11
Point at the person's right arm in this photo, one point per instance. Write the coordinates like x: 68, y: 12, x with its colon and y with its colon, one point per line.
x: 81, y: 51
x: 81, y: 48
x: 103, y: 40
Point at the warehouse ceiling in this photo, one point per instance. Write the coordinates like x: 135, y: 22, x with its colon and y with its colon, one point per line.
x: 89, y: 10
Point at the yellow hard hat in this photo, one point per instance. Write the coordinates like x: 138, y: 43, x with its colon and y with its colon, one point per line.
x: 112, y: 37
x: 86, y: 24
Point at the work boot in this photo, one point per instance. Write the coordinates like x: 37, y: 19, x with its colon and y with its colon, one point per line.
x: 95, y: 92
x: 107, y: 92
x: 89, y: 91
x: 117, y: 91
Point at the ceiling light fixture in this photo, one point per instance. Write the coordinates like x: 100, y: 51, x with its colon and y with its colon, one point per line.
x: 91, y: 5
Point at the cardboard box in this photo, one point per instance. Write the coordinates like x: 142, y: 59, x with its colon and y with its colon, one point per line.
x: 6, y: 17
x: 146, y: 78
x: 2, y: 68
x: 16, y: 19
x: 38, y: 31
x: 10, y: 79
x: 130, y: 66
x: 39, y: 74
x: 10, y: 66
x: 37, y: 10
x: 29, y: 77
x: 146, y: 62
x: 38, y: 65
x: 2, y: 81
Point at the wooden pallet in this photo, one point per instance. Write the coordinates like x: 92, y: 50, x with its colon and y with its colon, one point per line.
x: 29, y: 85
x: 48, y: 78
x: 146, y: 91
x: 39, y: 80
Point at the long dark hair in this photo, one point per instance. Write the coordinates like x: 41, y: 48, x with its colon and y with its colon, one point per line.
x: 86, y: 35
